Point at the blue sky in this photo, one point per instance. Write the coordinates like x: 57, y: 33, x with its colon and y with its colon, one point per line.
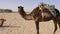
x: 9, y: 4
x: 28, y: 5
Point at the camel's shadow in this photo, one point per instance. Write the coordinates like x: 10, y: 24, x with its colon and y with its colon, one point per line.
x: 9, y: 26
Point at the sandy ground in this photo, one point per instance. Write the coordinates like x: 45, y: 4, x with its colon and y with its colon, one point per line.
x: 15, y: 24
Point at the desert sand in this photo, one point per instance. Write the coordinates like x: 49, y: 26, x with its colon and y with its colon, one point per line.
x: 15, y: 24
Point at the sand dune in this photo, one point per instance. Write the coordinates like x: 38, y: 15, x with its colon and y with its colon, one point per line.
x: 15, y: 24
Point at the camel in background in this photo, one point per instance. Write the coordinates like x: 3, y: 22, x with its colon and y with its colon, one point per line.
x: 2, y: 21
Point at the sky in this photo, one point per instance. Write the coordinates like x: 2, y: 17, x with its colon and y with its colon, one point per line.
x: 28, y: 5
x: 9, y: 4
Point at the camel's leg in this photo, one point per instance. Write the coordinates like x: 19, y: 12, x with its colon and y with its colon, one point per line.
x: 59, y: 24
x: 37, y: 26
x: 55, y: 25
x: 58, y: 20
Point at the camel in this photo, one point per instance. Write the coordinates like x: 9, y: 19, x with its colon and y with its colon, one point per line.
x: 39, y: 15
x: 2, y: 21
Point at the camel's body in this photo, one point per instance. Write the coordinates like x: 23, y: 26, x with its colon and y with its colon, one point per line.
x: 40, y: 15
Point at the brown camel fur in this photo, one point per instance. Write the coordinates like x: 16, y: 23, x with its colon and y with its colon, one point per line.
x: 40, y: 15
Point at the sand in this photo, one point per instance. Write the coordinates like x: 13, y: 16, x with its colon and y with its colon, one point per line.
x: 15, y: 24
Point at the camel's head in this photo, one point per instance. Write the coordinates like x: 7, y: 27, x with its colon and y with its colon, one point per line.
x: 20, y: 8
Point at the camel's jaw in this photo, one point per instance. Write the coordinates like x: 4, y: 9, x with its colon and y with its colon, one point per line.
x: 20, y: 8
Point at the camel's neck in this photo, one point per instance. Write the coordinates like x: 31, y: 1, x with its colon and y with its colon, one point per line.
x: 24, y: 15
